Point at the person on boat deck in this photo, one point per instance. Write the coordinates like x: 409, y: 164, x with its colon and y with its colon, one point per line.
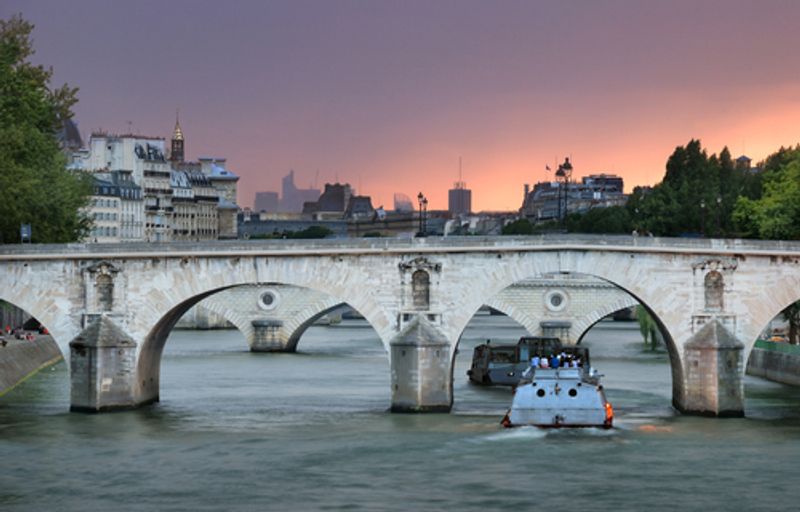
x: 554, y: 361
x: 544, y: 363
x: 535, y: 361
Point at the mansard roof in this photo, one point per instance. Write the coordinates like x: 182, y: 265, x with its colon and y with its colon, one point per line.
x: 222, y: 174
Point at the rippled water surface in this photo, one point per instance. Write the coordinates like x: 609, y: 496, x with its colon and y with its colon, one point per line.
x: 310, y: 431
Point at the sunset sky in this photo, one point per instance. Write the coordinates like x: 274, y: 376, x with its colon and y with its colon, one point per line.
x: 387, y: 95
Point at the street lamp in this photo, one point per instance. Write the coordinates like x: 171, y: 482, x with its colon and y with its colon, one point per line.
x: 423, y: 208
x: 563, y: 174
x: 703, y: 217
x: 719, y: 214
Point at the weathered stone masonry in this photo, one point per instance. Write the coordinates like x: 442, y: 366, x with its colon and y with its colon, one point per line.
x: 414, y: 293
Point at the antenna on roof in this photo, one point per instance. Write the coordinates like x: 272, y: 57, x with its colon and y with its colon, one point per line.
x: 316, y: 179
x: 459, y: 169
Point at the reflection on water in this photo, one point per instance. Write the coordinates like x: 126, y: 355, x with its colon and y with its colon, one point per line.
x: 310, y: 431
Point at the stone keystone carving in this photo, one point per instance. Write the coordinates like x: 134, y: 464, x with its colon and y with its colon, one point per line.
x: 102, y: 267
x: 725, y: 265
x: 420, y: 263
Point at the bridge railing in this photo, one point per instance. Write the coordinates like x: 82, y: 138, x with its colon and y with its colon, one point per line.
x: 13, y: 251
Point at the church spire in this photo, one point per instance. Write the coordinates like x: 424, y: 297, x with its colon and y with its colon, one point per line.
x: 176, y: 153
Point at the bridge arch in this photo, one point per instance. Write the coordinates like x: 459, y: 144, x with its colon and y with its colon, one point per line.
x: 52, y: 318
x: 167, y: 305
x: 780, y: 299
x: 289, y: 312
x: 586, y: 322
x: 614, y: 268
x: 763, y: 308
x: 574, y: 300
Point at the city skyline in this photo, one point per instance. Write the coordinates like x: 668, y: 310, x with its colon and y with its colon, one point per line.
x: 387, y: 97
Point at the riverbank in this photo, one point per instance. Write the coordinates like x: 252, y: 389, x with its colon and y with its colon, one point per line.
x: 778, y: 362
x: 21, y: 359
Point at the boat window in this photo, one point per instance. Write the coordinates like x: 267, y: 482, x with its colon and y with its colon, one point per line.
x: 420, y: 289
x: 714, y: 287
x: 573, y: 392
x: 540, y: 393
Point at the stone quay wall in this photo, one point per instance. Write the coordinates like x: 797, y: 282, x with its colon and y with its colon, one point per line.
x: 21, y: 359
x: 778, y: 362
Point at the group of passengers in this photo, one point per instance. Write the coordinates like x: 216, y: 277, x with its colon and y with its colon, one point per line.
x: 562, y: 360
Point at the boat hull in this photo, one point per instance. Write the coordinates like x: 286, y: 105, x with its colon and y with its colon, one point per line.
x: 559, y: 399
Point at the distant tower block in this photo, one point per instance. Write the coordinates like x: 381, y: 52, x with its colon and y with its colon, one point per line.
x: 459, y: 198
x: 176, y: 153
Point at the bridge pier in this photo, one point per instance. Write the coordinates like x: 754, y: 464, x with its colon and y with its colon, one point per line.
x: 422, y: 379
x: 269, y: 336
x: 103, y: 368
x: 713, y: 372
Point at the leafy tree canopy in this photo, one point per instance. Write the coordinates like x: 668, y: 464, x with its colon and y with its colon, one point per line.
x: 776, y: 214
x: 697, y: 195
x: 518, y: 227
x: 307, y: 233
x: 35, y: 187
x: 611, y: 220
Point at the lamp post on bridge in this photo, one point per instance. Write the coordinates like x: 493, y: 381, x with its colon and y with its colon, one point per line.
x: 423, y: 209
x: 719, y: 215
x: 703, y: 218
x: 563, y: 175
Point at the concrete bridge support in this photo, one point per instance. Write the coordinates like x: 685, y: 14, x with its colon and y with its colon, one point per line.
x: 713, y: 373
x: 422, y: 370
x: 103, y: 368
x: 272, y: 317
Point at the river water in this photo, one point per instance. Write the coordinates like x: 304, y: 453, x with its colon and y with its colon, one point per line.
x: 310, y: 431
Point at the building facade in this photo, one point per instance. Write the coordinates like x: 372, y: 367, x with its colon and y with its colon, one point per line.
x: 553, y: 200
x: 144, y: 194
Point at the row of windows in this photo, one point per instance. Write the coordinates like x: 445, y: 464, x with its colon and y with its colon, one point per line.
x: 105, y: 203
x: 104, y: 231
x: 125, y: 193
x: 104, y: 216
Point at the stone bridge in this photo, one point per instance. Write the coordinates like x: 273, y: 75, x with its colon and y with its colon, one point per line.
x: 273, y: 318
x: 710, y: 297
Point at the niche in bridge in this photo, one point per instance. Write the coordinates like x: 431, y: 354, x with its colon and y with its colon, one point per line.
x: 714, y: 287
x: 420, y: 289
x: 99, y: 286
x: 105, y: 292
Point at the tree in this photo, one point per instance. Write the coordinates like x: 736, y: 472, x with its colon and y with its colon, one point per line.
x: 696, y: 197
x: 792, y: 315
x: 35, y: 186
x: 648, y: 327
x: 776, y: 214
x: 518, y: 227
x: 610, y: 220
